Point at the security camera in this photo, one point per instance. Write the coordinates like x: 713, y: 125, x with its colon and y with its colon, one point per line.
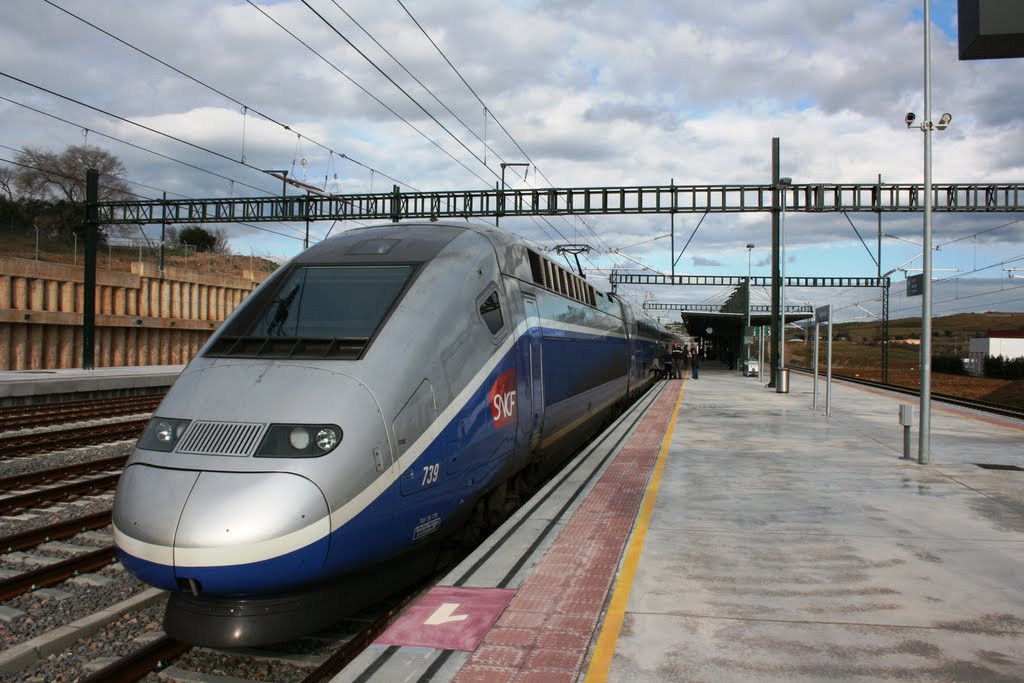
x: 910, y: 118
x: 944, y: 121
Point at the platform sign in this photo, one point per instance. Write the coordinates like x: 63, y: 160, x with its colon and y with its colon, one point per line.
x: 821, y: 315
x: 448, y: 618
x: 915, y: 283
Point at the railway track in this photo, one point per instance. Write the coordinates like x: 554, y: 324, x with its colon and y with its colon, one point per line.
x: 58, y: 439
x: 164, y: 652
x: 974, y: 404
x: 46, y: 414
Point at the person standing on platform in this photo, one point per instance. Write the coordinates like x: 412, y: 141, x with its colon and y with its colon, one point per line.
x: 666, y: 360
x: 695, y: 361
x: 678, y: 354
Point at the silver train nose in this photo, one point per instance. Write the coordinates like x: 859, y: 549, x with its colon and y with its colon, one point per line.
x: 222, y: 532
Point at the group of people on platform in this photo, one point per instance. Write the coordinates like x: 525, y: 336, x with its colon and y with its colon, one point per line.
x: 673, y: 364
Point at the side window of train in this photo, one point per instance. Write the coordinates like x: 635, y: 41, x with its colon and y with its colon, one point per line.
x: 490, y: 310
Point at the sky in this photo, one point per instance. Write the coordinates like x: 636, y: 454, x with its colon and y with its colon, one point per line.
x: 353, y: 96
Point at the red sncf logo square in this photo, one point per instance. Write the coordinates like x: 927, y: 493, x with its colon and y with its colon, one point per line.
x: 503, y: 398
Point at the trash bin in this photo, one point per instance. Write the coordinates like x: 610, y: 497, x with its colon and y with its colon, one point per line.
x: 782, y: 381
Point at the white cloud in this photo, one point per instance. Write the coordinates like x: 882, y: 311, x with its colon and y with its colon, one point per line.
x: 596, y: 93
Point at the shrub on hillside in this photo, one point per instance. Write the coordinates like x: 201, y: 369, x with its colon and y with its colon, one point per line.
x: 952, y: 365
x: 1004, y: 368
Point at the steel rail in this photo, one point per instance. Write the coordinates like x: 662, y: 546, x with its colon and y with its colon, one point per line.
x: 31, y: 478
x: 56, y: 413
x: 40, y: 442
x: 55, y: 573
x: 34, y: 537
x: 48, y: 495
x: 137, y: 664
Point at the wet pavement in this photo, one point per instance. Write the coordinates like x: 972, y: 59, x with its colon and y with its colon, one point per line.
x: 789, y: 546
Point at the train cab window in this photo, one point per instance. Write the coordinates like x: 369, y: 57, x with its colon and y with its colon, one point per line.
x: 490, y: 312
x: 316, y: 311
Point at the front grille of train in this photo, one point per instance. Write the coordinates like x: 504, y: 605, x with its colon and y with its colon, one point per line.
x: 221, y: 438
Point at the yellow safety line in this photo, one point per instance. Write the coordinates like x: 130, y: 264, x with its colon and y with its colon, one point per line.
x: 601, y: 662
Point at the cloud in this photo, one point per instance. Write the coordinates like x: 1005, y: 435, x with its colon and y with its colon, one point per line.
x: 593, y: 94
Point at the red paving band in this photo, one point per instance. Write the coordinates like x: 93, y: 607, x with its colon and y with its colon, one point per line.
x: 544, y: 633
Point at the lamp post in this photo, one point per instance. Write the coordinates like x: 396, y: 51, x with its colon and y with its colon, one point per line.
x: 924, y: 433
x: 746, y: 328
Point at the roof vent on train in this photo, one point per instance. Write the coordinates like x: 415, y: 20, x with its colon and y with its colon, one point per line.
x: 552, y: 276
x: 372, y: 247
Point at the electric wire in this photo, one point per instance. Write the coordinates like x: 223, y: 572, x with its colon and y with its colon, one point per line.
x: 138, y: 147
x: 418, y: 81
x: 980, y: 232
x: 234, y: 100
x: 363, y: 89
x: 129, y: 121
x: 607, y: 247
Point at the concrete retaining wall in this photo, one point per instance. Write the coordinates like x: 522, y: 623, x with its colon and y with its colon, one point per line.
x: 141, y: 319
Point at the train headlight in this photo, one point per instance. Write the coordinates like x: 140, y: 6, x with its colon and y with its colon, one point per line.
x: 327, y: 438
x: 298, y: 437
x: 162, y: 434
x: 299, y: 441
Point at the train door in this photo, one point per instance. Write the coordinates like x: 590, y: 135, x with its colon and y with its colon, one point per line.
x: 535, y: 370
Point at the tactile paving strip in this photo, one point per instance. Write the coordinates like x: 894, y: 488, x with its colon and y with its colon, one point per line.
x: 544, y: 633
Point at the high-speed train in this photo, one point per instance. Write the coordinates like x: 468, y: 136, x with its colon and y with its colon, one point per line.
x: 382, y: 390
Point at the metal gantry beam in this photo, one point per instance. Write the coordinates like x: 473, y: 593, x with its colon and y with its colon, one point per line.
x: 636, y: 199
x: 717, y: 308
x: 617, y: 278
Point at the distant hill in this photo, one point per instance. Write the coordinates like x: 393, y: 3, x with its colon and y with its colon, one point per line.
x: 960, y: 326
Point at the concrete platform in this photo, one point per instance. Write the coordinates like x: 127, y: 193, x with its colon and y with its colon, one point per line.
x: 25, y: 387
x: 786, y: 546
x: 772, y: 544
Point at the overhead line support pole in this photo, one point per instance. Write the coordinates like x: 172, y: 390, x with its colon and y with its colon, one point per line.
x: 92, y: 185
x: 776, y: 272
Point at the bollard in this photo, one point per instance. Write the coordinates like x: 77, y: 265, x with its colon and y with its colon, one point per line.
x: 907, y: 420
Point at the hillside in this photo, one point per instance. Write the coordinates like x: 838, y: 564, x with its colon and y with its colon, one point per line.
x: 20, y: 245
x: 856, y: 352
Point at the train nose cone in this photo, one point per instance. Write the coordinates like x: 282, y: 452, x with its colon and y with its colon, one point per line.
x: 251, y: 532
x: 220, y: 532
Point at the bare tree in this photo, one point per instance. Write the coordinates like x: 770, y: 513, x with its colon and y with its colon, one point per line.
x: 7, y: 182
x: 220, y: 242
x: 60, y: 178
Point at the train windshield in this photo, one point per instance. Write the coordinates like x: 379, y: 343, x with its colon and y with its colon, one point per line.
x: 316, y: 311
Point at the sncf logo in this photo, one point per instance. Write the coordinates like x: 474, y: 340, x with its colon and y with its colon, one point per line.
x: 503, y: 398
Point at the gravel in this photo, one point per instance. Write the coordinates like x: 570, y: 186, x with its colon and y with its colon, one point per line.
x: 116, y: 640
x: 85, y: 506
x: 43, y: 613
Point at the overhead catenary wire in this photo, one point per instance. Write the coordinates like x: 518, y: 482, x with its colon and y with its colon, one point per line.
x: 246, y: 107
x: 361, y: 87
x: 138, y: 147
x: 490, y: 111
x: 418, y: 81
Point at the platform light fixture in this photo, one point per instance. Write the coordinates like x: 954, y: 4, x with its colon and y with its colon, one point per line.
x: 926, y: 126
